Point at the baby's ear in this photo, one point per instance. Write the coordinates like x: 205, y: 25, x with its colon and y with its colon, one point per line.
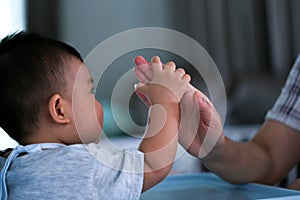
x: 58, y: 109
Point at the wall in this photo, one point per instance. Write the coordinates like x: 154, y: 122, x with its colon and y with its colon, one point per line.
x: 253, y: 42
x: 85, y: 24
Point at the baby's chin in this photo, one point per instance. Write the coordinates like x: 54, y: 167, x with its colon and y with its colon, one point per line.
x: 95, y: 138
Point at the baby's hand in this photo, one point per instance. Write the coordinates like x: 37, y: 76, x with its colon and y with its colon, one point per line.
x: 200, y: 122
x: 167, y: 83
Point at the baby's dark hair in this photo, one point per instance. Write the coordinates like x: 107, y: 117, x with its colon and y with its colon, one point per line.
x: 32, y: 69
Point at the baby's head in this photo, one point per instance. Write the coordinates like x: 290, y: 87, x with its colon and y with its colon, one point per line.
x: 38, y: 101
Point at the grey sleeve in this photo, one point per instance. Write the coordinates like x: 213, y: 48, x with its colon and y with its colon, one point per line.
x: 122, y: 171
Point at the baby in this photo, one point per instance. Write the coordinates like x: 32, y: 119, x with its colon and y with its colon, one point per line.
x: 47, y: 105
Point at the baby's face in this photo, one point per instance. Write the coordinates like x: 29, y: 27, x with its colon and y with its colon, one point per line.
x: 87, y: 111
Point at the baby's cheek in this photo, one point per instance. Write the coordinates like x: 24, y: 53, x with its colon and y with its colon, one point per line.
x: 99, y: 113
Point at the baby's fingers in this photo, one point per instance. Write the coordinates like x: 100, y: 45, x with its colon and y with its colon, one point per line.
x: 156, y: 64
x: 140, y: 60
x: 180, y: 71
x: 187, y: 77
x: 143, y: 73
x: 170, y: 66
x: 182, y: 74
x: 143, y: 69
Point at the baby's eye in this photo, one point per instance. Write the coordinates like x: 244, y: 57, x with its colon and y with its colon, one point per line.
x: 93, y: 90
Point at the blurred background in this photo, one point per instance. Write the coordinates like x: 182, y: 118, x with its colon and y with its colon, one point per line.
x: 253, y: 43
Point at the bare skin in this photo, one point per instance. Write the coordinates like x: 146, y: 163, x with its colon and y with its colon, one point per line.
x: 159, y: 144
x: 266, y: 158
